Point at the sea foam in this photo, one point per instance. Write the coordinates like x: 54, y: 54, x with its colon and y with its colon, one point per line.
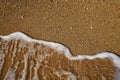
x: 64, y: 50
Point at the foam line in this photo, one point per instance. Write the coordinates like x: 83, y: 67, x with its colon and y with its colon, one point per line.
x: 62, y: 49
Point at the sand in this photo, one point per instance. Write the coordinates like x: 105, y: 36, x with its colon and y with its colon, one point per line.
x: 86, y: 27
x: 22, y: 58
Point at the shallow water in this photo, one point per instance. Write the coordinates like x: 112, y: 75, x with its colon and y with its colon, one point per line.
x: 24, y: 58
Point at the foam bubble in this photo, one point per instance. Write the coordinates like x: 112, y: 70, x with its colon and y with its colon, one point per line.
x: 64, y: 50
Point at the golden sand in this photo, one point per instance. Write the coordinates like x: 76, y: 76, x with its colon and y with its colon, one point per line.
x: 85, y: 26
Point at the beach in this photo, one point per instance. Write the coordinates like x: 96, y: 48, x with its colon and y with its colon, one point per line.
x: 85, y: 27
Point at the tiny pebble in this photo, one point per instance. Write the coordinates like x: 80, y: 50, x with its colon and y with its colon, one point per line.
x: 22, y: 17
x: 91, y: 27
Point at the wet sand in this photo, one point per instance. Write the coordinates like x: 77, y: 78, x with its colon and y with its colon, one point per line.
x: 24, y: 60
x: 86, y: 27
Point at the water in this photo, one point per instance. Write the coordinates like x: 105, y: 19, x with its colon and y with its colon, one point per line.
x: 25, y: 58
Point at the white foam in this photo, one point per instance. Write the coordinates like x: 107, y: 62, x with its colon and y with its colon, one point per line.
x: 70, y: 75
x: 35, y: 77
x: 1, y: 61
x: 10, y: 75
x: 62, y: 49
x: 24, y: 72
x: 31, y: 66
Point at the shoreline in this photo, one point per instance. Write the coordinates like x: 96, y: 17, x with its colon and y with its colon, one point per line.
x: 64, y: 50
